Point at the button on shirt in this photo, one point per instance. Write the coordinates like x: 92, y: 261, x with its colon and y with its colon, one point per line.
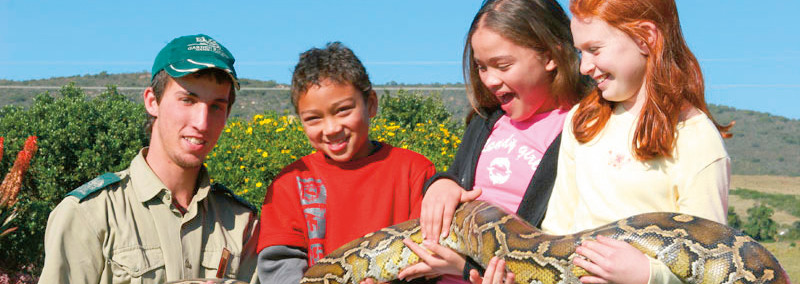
x: 131, y: 232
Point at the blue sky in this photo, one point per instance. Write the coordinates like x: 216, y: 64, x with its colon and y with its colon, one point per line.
x: 749, y: 52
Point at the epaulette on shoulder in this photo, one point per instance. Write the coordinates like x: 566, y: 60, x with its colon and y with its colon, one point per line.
x: 228, y: 192
x: 94, y: 185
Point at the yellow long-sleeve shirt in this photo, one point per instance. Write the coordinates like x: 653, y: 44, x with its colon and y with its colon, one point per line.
x: 600, y: 181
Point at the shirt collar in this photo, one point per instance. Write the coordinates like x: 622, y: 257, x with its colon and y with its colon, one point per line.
x: 147, y: 185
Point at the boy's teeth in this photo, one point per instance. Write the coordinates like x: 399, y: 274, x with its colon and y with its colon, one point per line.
x: 194, y: 140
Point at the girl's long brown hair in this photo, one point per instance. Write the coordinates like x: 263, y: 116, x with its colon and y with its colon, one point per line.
x: 673, y: 78
x: 541, y: 25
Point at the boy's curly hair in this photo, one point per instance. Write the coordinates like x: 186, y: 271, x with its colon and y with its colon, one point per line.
x: 336, y: 63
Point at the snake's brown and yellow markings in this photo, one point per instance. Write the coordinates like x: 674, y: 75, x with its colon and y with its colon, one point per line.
x: 695, y: 249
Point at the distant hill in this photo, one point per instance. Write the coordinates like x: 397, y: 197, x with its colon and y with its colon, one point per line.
x: 762, y: 144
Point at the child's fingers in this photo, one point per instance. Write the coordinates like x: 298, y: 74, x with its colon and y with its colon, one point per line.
x: 415, y: 271
x: 592, y: 280
x: 499, y: 271
x: 427, y: 220
x: 436, y: 224
x: 597, y: 250
x: 470, y: 195
x: 423, y: 253
x: 475, y: 277
x: 509, y: 278
x: 590, y: 267
x: 437, y: 249
x: 447, y: 219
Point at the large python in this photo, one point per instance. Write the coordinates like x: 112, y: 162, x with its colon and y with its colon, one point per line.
x: 695, y: 249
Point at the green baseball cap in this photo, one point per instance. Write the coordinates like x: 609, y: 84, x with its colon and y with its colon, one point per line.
x: 188, y: 54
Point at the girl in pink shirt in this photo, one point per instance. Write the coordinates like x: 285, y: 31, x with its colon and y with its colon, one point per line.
x: 521, y: 70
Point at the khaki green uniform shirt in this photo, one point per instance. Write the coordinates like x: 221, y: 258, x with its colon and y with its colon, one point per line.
x: 128, y: 231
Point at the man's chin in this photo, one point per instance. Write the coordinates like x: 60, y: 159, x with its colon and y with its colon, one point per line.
x: 190, y: 162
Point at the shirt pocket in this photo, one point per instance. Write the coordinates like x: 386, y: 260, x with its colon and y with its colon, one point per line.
x: 137, y: 265
x: 211, y: 261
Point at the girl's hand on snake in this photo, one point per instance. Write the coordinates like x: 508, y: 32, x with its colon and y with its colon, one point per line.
x: 439, y: 205
x: 612, y: 261
x: 494, y: 273
x: 442, y: 261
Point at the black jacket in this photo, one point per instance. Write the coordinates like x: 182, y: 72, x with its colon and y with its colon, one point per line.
x: 534, y: 201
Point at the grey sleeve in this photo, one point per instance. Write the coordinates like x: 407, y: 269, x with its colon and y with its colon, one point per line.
x: 281, y: 264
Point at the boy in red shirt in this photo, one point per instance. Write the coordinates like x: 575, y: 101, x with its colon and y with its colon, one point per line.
x: 351, y: 186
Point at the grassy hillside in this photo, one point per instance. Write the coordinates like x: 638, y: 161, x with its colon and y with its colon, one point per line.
x: 762, y: 144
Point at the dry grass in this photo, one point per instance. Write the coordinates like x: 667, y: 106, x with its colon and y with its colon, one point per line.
x: 788, y: 256
x: 769, y: 184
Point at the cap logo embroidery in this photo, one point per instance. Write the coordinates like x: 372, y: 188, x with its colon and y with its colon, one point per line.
x: 206, y: 44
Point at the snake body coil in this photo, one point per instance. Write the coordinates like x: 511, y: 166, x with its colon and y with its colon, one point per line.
x: 695, y: 249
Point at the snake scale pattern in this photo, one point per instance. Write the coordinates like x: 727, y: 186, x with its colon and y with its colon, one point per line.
x: 695, y: 249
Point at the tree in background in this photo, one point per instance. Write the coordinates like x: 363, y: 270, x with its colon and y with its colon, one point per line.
x: 733, y: 219
x: 409, y: 109
x: 759, y: 224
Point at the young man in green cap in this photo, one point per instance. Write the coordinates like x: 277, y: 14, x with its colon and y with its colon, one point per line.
x: 161, y: 219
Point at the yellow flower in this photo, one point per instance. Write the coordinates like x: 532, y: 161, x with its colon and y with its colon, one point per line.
x: 390, y: 133
x: 257, y: 117
x: 246, y: 180
x: 265, y: 154
x: 241, y: 167
x: 249, y: 130
x: 280, y: 129
x: 258, y: 184
x: 227, y: 130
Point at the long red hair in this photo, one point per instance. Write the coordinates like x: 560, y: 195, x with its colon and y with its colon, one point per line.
x: 673, y: 77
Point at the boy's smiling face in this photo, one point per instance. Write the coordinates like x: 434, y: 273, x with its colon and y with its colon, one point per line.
x: 335, y: 119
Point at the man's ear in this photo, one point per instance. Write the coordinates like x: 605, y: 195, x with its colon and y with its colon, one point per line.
x: 150, y: 101
x: 372, y: 103
x: 651, y: 36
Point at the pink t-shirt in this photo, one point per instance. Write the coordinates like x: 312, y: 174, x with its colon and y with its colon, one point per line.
x: 511, y: 155
x: 509, y: 159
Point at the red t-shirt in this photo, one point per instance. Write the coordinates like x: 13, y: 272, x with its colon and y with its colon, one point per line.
x: 319, y: 204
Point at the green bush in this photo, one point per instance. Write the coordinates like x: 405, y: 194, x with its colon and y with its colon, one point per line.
x: 733, y: 219
x: 408, y: 109
x: 759, y: 224
x: 79, y: 138
x: 249, y: 154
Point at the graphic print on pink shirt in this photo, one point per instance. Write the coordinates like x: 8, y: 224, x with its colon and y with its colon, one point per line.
x: 511, y: 155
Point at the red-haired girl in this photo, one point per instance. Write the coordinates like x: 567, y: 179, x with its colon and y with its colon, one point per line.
x: 642, y: 141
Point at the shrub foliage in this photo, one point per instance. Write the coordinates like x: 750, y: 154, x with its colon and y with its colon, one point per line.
x: 759, y: 224
x: 79, y: 138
